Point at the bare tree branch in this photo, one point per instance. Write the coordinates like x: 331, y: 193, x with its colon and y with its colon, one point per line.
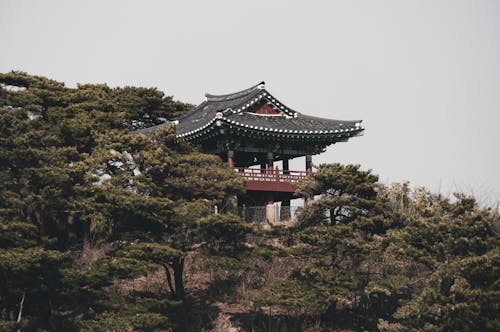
x: 20, y: 314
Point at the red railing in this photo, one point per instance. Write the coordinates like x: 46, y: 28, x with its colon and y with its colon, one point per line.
x: 271, y: 175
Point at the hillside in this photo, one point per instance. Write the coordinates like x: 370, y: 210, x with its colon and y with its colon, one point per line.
x: 103, y: 231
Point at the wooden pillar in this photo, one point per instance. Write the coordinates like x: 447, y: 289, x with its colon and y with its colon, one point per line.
x: 286, y: 167
x: 308, y: 164
x: 263, y: 167
x: 270, y: 160
x: 308, y: 172
x: 230, y: 158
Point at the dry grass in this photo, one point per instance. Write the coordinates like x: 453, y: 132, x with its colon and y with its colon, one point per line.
x: 91, y: 252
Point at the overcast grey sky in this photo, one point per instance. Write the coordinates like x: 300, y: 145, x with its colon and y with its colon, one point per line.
x: 423, y: 75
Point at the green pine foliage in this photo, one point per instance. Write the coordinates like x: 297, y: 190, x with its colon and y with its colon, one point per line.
x: 386, y: 258
x: 104, y: 231
x: 72, y: 175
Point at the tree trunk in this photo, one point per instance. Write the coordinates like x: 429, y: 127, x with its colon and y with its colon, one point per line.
x: 178, y: 266
x: 41, y: 226
x: 332, y: 217
x: 169, y: 280
x: 180, y: 293
x: 20, y: 314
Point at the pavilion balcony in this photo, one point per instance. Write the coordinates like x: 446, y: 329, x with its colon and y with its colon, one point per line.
x: 269, y: 179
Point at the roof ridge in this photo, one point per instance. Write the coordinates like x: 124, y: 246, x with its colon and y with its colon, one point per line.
x: 151, y: 129
x: 188, y: 114
x: 235, y: 95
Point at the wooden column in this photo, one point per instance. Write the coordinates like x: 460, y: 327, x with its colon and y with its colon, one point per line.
x: 270, y: 160
x: 308, y: 164
x: 286, y: 167
x: 230, y: 158
x: 308, y: 172
x: 263, y: 167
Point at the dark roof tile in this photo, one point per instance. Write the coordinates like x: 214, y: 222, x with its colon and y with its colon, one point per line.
x: 234, y: 111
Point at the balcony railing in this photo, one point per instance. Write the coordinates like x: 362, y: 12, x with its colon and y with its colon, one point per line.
x: 271, y: 175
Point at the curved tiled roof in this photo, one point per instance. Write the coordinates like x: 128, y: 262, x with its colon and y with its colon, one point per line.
x: 236, y: 110
x: 150, y: 130
x: 235, y: 95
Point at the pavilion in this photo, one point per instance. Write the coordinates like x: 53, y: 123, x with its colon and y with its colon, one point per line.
x: 251, y: 130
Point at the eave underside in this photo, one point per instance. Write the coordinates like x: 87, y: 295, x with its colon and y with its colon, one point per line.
x: 232, y: 122
x: 251, y: 149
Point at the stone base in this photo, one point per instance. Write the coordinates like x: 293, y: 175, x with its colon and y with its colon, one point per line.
x: 270, y: 213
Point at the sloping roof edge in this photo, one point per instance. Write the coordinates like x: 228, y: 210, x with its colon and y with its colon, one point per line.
x: 232, y: 110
